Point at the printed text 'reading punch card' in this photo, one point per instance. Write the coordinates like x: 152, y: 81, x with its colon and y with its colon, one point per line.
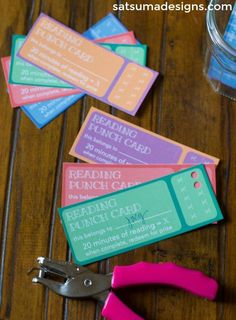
x: 21, y: 95
x: 82, y: 181
x: 22, y: 72
x: 159, y: 209
x: 104, y: 138
x: 66, y: 54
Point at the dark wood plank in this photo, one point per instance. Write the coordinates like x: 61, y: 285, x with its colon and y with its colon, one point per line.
x: 191, y: 114
x: 226, y: 307
x: 9, y: 122
x: 32, y: 210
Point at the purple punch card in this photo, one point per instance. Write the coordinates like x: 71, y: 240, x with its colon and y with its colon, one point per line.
x: 104, y: 138
x: 82, y: 63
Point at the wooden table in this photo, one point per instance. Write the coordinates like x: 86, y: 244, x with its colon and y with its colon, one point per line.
x: 181, y: 106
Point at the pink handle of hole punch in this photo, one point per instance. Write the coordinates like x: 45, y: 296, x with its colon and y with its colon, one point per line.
x: 115, y: 309
x: 168, y: 273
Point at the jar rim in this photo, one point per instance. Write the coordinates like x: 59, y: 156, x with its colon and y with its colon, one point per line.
x: 216, y: 36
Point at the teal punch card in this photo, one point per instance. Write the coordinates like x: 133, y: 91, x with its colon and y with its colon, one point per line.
x: 158, y: 209
x: 134, y: 52
x: 22, y: 72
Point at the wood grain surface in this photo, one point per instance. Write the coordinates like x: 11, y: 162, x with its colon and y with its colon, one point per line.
x: 181, y: 106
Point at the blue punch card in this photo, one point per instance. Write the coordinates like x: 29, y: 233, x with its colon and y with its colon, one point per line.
x: 216, y: 71
x: 41, y: 113
x: 107, y: 26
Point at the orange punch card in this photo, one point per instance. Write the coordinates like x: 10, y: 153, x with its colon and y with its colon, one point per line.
x: 99, y: 72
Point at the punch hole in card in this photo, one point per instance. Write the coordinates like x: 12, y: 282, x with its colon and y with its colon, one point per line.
x: 149, y: 212
x: 192, y: 193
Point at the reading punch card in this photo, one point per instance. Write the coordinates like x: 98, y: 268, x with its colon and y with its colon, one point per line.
x: 159, y: 209
x: 104, y: 138
x: 82, y: 181
x: 24, y: 73
x: 66, y: 54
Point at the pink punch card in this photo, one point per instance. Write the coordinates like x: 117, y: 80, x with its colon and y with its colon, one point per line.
x: 21, y: 95
x: 123, y: 38
x: 82, y: 181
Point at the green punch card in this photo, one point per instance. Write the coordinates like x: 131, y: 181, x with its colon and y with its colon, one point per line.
x: 22, y: 72
x: 162, y: 208
x: 133, y: 52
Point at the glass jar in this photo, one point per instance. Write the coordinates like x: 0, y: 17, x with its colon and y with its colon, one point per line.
x: 220, y: 53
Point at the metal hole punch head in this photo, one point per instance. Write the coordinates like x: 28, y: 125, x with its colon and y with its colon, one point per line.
x: 74, y: 281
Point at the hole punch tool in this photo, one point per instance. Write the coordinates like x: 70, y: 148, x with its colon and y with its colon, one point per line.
x: 74, y: 281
